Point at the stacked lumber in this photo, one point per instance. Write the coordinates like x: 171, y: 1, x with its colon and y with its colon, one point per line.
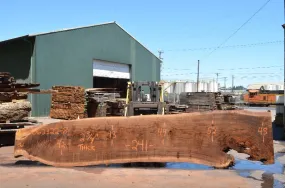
x: 68, y: 102
x: 102, y: 102
x: 198, y: 101
x: 9, y: 96
x: 116, y: 107
x: 6, y: 78
x: 13, y: 99
x: 14, y: 111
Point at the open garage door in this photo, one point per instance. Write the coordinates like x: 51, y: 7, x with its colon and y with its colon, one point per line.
x: 111, y: 70
x: 111, y: 75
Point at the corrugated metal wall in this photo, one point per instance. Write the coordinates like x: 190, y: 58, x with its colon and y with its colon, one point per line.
x: 65, y: 58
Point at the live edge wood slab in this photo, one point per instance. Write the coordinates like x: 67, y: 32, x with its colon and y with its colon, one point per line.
x: 202, y: 138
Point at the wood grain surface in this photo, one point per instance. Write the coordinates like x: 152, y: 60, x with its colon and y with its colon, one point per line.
x: 202, y: 138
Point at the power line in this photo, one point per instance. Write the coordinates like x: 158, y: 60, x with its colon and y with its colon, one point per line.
x: 181, y: 74
x: 234, y: 33
x: 229, y: 46
x: 239, y: 68
x: 252, y: 68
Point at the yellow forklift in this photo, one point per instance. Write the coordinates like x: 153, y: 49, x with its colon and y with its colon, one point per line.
x: 139, y: 103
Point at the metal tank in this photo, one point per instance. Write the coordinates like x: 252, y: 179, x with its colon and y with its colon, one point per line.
x: 166, y: 87
x: 279, y: 87
x: 201, y: 87
x: 194, y: 86
x: 270, y: 87
x: 189, y: 87
x: 210, y: 86
x: 216, y: 89
x: 178, y: 87
x: 205, y: 86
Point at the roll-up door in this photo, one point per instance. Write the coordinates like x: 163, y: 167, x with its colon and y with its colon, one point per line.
x: 111, y: 70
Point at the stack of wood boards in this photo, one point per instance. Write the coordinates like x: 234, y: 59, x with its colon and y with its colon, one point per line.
x: 198, y: 101
x: 13, y: 99
x: 68, y: 102
x: 6, y: 78
x: 102, y: 102
x: 116, y: 107
x: 14, y: 111
x: 219, y: 99
x: 8, y: 88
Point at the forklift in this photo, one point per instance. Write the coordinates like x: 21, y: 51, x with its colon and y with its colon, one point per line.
x: 137, y: 102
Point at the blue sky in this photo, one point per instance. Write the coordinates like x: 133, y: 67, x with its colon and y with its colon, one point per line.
x: 173, y: 27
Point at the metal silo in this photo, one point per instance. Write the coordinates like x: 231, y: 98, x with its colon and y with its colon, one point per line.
x: 204, y: 86
x: 216, y: 89
x: 179, y: 87
x: 166, y: 87
x: 194, y: 86
x: 279, y: 87
x: 188, y: 87
x: 200, y: 86
x: 211, y: 86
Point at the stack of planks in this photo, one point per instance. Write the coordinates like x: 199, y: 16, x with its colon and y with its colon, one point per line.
x: 198, y: 101
x: 102, y: 102
x: 68, y: 102
x: 13, y: 99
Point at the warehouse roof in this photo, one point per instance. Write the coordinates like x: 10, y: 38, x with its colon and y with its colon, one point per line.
x: 69, y: 29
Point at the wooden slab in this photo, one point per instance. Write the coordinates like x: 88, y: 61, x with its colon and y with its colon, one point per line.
x: 201, y: 138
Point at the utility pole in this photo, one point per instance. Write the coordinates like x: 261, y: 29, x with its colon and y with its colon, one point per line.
x: 218, y: 79
x: 233, y: 77
x: 160, y: 52
x: 198, y: 75
x: 225, y: 80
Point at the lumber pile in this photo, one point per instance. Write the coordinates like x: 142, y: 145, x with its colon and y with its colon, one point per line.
x: 207, y: 101
x: 116, y: 107
x: 203, y: 138
x: 68, y: 102
x: 198, y: 101
x: 14, y: 111
x: 102, y: 102
x: 13, y: 101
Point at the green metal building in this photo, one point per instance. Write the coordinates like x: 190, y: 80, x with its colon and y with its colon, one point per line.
x: 102, y: 55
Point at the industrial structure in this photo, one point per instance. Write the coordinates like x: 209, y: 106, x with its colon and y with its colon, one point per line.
x: 96, y: 56
x: 187, y: 86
